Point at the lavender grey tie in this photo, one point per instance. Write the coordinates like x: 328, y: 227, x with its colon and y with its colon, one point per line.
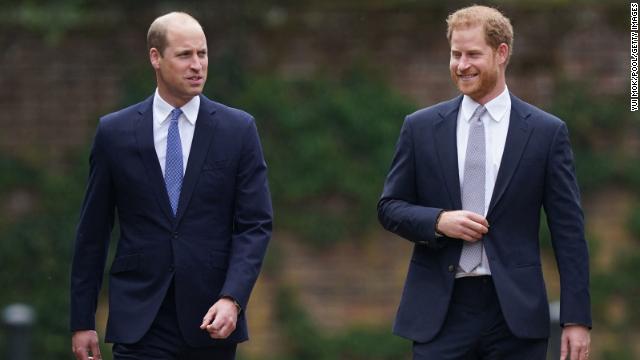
x: 473, y: 185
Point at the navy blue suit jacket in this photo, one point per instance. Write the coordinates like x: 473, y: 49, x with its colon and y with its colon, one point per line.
x: 214, y: 246
x: 536, y: 171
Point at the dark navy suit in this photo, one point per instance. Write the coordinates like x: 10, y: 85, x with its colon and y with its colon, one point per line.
x: 536, y: 172
x: 213, y: 247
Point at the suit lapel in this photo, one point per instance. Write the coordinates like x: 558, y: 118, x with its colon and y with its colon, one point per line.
x: 447, y: 149
x: 517, y: 138
x: 202, y: 135
x: 146, y: 147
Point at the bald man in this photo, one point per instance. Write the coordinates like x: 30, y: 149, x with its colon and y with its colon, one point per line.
x: 188, y: 180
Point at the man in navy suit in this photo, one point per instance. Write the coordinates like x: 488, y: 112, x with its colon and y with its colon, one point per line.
x: 187, y: 179
x: 467, y: 184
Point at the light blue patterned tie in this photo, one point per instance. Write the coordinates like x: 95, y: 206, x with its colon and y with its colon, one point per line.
x: 173, y: 163
x: 473, y: 185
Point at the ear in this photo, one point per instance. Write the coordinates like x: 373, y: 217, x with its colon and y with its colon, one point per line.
x: 154, y: 58
x: 503, y: 53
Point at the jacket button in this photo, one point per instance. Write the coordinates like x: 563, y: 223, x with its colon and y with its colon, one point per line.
x: 451, y: 268
x: 175, y: 236
x: 171, y: 268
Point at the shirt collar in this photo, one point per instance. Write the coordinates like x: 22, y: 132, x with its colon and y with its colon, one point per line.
x: 163, y: 109
x: 496, y: 108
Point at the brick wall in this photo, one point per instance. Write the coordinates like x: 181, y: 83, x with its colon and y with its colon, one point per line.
x: 51, y: 95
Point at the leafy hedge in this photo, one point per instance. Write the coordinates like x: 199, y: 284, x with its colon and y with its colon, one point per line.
x: 306, y: 341
x: 35, y: 248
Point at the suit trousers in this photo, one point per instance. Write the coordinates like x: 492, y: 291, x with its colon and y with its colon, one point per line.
x: 475, y: 329
x: 164, y: 341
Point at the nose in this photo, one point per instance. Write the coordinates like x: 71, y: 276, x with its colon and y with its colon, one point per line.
x: 196, y: 63
x: 463, y: 64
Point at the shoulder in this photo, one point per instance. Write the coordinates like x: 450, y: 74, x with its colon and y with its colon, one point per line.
x: 122, y: 117
x: 537, y: 116
x: 434, y: 112
x: 227, y: 114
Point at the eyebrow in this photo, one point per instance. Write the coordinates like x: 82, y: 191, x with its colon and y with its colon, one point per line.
x: 471, y: 51
x: 189, y: 50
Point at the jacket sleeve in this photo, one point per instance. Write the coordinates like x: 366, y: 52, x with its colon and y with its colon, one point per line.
x: 92, y: 238
x: 398, y: 208
x: 253, y: 217
x: 566, y: 224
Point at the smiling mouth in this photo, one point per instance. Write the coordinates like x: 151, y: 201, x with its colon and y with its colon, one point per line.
x: 466, y: 77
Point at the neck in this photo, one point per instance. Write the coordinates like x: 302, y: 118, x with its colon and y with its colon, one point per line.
x: 176, y: 102
x: 494, y: 93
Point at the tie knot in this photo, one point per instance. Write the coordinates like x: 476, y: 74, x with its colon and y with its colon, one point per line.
x: 477, y: 114
x: 175, y: 114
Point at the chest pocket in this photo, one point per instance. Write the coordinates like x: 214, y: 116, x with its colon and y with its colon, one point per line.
x: 215, y: 165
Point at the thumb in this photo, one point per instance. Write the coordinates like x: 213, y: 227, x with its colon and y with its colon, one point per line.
x: 208, y: 317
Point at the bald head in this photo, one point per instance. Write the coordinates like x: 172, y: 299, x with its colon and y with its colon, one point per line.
x: 157, y: 34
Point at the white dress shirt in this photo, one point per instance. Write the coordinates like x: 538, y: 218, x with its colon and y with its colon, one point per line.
x: 496, y: 126
x: 186, y: 125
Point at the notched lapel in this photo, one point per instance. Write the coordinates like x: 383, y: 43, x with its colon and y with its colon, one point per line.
x: 447, y: 149
x: 202, y: 135
x: 517, y: 138
x: 146, y: 147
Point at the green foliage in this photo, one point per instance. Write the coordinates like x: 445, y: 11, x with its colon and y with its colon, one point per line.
x: 36, y: 248
x: 620, y: 283
x: 544, y: 233
x: 630, y: 171
x: 364, y: 344
x: 16, y: 174
x: 618, y: 352
x: 297, y: 325
x: 52, y: 20
x: 593, y: 169
x: 634, y: 222
x: 616, y: 304
x: 328, y: 143
x: 309, y: 343
x: 597, y: 128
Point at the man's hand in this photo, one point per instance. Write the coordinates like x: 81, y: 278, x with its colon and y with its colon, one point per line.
x: 462, y: 224
x: 83, y: 342
x: 220, y: 320
x: 575, y: 342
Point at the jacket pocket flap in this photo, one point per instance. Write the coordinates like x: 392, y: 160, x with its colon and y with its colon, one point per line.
x: 217, y: 164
